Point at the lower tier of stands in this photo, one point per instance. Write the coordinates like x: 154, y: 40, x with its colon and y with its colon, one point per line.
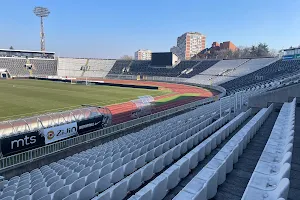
x: 190, y: 156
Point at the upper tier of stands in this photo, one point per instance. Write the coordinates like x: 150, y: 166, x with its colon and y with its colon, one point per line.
x: 40, y: 67
x: 185, y: 69
x: 227, y: 70
x: 276, y: 70
x: 223, y: 67
x: 79, y: 67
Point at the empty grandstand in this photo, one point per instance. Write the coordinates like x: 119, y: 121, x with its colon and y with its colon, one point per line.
x: 222, y: 147
x: 277, y: 70
x: 82, y: 67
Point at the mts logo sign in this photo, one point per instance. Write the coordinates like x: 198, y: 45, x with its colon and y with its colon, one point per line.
x: 21, y: 142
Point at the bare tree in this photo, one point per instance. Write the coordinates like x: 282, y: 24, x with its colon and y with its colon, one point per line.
x: 126, y: 57
x: 11, y: 48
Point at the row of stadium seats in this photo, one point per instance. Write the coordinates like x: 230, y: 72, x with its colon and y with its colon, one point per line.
x: 271, y: 175
x: 184, y: 69
x: 113, y: 159
x: 72, y: 67
x: 227, y: 70
x: 276, y: 70
x: 150, y: 163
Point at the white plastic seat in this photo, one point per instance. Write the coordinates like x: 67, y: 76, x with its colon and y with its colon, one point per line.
x: 39, y: 193
x: 140, y: 161
x: 183, y: 165
x: 173, y: 176
x: 105, y: 170
x: 56, y: 185
x: 46, y: 197
x: 52, y: 180
x: 22, y: 193
x: 168, y: 158
x: 61, y: 193
x: 71, y: 197
x: 135, y: 181
x: 77, y: 185
x: 71, y: 178
x: 88, y: 192
x: 10, y: 188
x: 147, y: 171
x: 27, y: 197
x: 211, y: 180
x: 281, y: 191
x: 117, y: 175
x: 120, y: 191
x: 66, y: 174
x: 150, y: 155
x: 106, y: 161
x: 129, y: 167
x: 158, y: 165
x: 160, y: 187
x: 116, y: 164
x: 93, y: 176
x: 103, y: 183
x: 79, y: 168
x: 84, y: 172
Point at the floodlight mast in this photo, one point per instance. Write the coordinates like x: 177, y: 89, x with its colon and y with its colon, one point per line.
x: 42, y: 12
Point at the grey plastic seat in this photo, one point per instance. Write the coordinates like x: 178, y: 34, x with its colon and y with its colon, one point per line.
x: 93, y: 176
x: 120, y: 191
x: 8, y: 198
x: 39, y: 193
x: 88, y: 192
x: 117, y: 175
x: 27, y: 197
x: 140, y: 161
x: 71, y: 178
x: 46, y: 197
x: 135, y: 181
x: 105, y: 170
x: 77, y: 185
x: 56, y: 185
x: 66, y: 174
x: 129, y: 167
x: 147, y: 171
x: 116, y: 164
x: 22, y: 193
x: 61, y: 193
x: 103, y: 183
x: 84, y: 172
x: 9, y: 193
x: 71, y: 197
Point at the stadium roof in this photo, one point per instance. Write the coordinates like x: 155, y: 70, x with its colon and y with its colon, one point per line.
x: 28, y: 51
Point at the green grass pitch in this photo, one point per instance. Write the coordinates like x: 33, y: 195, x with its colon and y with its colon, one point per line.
x: 23, y: 98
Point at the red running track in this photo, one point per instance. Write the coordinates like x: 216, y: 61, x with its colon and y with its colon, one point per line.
x: 123, y: 112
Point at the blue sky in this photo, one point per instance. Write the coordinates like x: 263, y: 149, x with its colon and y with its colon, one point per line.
x: 110, y: 29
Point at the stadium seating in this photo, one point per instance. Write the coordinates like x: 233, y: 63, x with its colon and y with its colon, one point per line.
x: 270, y: 178
x: 15, y: 66
x: 119, y: 67
x: 276, y: 70
x: 41, y: 67
x: 224, y: 66
x: 72, y: 67
x: 200, y: 67
x: 184, y: 69
x: 95, y: 170
x: 44, y: 67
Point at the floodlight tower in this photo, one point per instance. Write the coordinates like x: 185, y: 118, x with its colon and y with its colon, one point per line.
x: 42, y: 12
